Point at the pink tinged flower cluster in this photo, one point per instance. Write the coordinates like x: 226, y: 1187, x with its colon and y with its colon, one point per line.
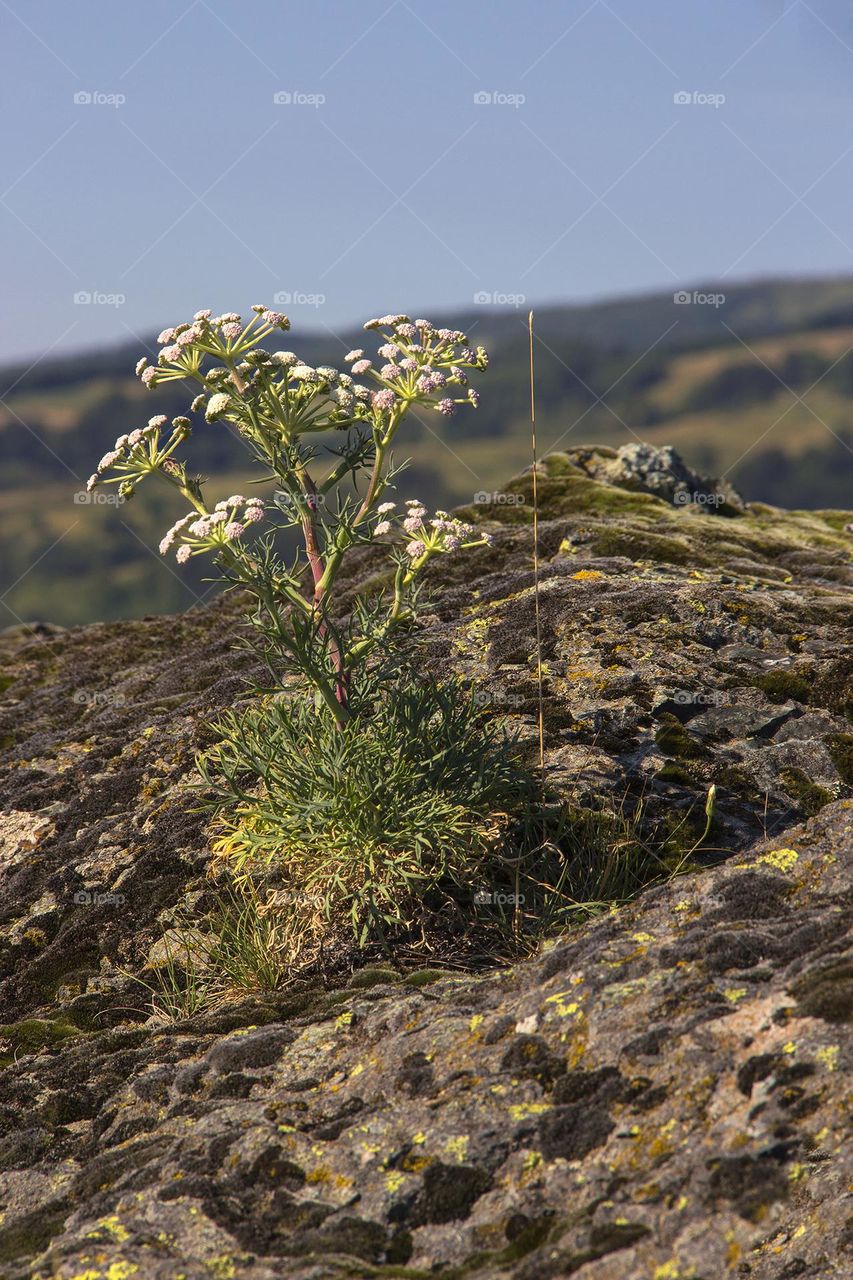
x: 443, y: 533
x: 414, y: 520
x: 272, y: 318
x: 169, y: 537
x: 421, y: 361
x: 226, y: 523
x: 449, y: 532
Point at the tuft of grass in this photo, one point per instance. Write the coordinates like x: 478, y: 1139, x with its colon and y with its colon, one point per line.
x: 243, y: 949
x: 591, y: 861
x: 398, y: 814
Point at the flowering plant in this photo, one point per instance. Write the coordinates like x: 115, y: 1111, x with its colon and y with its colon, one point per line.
x: 279, y: 405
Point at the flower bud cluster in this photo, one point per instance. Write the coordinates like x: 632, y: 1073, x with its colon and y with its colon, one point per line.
x: 184, y: 346
x: 135, y: 454
x: 211, y: 530
x: 423, y: 364
x: 426, y: 536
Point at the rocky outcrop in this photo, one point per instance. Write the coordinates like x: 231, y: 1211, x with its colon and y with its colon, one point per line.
x: 659, y: 1094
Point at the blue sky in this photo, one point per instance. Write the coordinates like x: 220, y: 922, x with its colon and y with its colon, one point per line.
x: 384, y: 183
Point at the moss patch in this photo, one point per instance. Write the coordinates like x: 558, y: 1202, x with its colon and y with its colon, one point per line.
x: 674, y: 740
x: 840, y: 747
x: 780, y: 686
x: 33, y: 1035
x: 810, y: 797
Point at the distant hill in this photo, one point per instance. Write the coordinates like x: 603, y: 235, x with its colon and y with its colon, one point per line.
x: 758, y: 386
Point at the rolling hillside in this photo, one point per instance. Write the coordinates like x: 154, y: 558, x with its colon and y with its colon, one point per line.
x: 759, y: 388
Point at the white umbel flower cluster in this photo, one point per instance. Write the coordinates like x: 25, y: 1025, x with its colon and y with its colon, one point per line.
x: 211, y: 530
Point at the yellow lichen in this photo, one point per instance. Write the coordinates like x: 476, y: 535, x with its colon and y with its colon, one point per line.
x: 563, y: 1010
x: 521, y: 1110
x: 120, y: 1271
x: 668, y: 1271
x: 733, y: 994
x: 781, y: 859
x: 222, y: 1267
x: 829, y: 1057
x: 110, y: 1226
x: 457, y: 1147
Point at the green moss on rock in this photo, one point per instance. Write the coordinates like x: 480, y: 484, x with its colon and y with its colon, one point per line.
x: 810, y: 797
x: 34, y: 1034
x: 781, y: 686
x: 674, y: 740
x: 841, y: 750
